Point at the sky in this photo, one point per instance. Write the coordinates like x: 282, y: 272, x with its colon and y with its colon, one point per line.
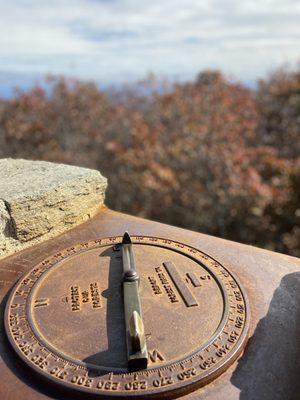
x: 112, y: 41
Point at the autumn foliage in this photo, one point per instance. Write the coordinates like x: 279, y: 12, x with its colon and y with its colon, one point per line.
x: 210, y: 155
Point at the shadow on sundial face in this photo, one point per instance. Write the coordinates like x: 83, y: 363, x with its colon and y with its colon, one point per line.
x: 115, y: 353
x: 182, y: 306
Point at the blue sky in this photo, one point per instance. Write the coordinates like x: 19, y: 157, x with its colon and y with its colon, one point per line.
x: 112, y: 41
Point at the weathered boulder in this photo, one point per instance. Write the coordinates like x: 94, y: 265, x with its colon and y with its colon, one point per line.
x: 39, y: 200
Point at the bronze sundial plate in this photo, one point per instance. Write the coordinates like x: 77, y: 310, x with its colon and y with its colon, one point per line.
x: 65, y: 318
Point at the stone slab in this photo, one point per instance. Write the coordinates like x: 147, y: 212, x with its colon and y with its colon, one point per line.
x: 39, y: 200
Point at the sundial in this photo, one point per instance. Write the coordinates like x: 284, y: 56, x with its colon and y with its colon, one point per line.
x: 128, y: 316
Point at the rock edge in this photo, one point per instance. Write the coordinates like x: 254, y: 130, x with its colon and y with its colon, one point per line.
x: 39, y: 200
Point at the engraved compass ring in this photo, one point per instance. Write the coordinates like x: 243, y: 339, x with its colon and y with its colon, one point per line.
x: 128, y: 316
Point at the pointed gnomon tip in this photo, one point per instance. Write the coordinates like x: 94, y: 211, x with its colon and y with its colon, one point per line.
x: 126, y: 238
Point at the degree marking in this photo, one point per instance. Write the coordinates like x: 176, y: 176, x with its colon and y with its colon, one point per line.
x: 41, y: 303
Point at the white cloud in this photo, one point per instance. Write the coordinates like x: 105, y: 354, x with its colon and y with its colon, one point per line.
x: 113, y: 40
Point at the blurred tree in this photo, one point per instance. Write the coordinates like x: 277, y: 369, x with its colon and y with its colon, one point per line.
x: 210, y: 155
x: 278, y: 98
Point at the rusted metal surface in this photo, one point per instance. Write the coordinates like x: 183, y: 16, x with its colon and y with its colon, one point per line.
x: 268, y: 368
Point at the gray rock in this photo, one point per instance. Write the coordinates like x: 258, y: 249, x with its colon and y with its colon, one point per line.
x: 39, y: 200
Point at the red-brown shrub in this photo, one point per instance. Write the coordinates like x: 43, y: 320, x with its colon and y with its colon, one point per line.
x: 209, y: 155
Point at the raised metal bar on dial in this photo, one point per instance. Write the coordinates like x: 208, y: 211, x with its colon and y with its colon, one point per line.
x: 137, y: 354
